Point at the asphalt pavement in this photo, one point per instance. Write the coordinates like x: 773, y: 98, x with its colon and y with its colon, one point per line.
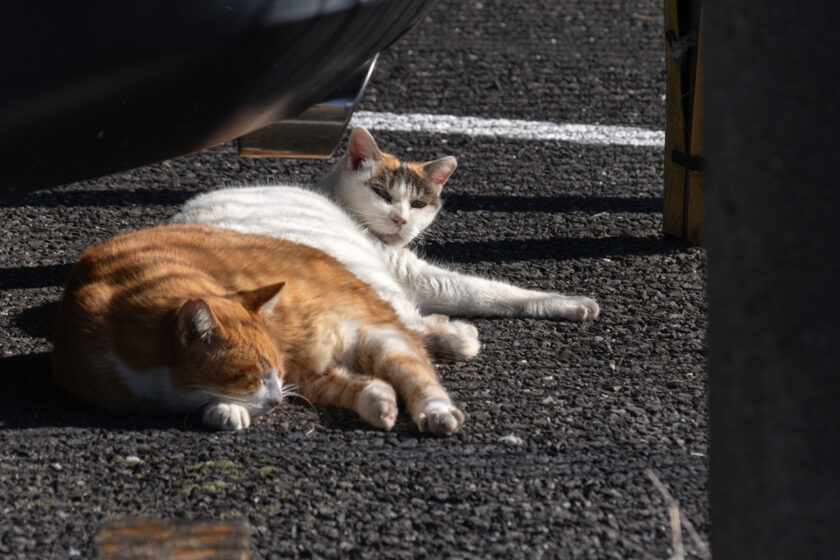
x: 564, y: 421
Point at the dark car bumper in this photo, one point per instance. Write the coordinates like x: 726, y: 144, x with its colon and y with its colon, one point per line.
x: 93, y: 88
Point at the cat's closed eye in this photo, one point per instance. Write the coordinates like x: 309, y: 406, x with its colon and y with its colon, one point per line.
x: 382, y: 193
x: 418, y: 204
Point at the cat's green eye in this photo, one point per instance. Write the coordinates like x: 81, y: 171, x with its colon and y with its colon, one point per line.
x: 418, y: 204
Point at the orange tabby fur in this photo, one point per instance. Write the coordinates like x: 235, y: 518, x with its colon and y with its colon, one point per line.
x: 220, y: 311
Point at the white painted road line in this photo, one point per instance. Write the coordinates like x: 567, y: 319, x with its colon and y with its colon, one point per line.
x: 508, y: 128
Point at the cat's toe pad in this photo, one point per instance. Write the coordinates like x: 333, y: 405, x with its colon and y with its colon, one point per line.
x: 226, y: 416
x: 439, y: 417
x: 377, y: 404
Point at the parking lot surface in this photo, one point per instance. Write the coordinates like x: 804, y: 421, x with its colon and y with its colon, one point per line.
x: 564, y: 421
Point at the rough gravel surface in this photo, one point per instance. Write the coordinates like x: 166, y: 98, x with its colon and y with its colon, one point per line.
x: 563, y: 419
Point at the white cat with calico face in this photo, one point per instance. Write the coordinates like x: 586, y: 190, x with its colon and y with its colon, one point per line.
x: 395, y: 201
x: 363, y: 213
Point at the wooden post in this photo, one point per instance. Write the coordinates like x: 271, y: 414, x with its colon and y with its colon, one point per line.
x: 694, y: 217
x: 135, y: 539
x: 683, y: 211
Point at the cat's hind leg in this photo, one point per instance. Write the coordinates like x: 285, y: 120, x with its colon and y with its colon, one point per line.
x: 397, y: 357
x: 372, y: 399
x: 449, y: 341
x: 445, y: 340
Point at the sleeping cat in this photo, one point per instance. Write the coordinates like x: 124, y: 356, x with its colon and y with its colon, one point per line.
x: 363, y: 213
x: 178, y: 317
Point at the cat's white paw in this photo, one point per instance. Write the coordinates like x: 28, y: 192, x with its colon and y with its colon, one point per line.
x: 226, y: 416
x: 572, y: 308
x: 586, y: 309
x: 377, y: 404
x: 468, y: 336
x: 450, y: 341
x: 439, y: 417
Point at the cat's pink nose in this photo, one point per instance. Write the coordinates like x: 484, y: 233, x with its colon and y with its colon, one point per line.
x: 273, y: 404
x: 400, y: 221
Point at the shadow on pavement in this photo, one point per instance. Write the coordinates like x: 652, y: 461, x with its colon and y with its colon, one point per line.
x: 555, y: 248
x: 552, y: 204
x: 38, y: 321
x: 452, y: 201
x: 119, y: 197
x: 37, y: 276
x: 502, y: 250
x: 29, y: 400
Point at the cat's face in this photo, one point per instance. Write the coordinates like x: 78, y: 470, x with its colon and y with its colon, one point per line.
x: 395, y: 200
x: 224, y: 350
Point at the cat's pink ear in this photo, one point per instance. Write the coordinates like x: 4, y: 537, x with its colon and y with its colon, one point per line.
x: 438, y: 171
x: 362, y: 147
x: 262, y: 300
x: 195, y: 324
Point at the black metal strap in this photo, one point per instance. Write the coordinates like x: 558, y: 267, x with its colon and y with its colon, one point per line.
x: 695, y: 163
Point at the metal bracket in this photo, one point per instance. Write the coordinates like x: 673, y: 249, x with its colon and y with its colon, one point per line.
x: 316, y: 132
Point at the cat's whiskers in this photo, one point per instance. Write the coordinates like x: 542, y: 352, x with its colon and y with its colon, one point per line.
x: 298, y: 395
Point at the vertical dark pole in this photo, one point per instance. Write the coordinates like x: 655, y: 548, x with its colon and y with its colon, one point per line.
x: 772, y: 72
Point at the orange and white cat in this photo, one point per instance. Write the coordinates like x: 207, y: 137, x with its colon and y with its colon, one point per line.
x: 178, y: 317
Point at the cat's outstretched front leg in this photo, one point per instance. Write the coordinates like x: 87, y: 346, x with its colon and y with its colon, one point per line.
x: 436, y: 289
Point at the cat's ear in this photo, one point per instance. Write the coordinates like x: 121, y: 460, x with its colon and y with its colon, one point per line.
x: 361, y: 147
x: 195, y: 324
x: 438, y: 171
x: 262, y: 300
